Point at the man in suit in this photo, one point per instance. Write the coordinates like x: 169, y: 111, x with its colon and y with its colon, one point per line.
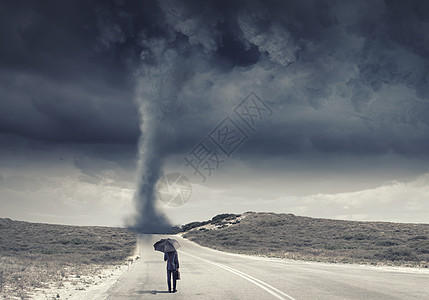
x: 172, y: 266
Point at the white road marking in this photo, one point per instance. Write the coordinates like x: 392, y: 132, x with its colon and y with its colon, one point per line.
x: 263, y: 285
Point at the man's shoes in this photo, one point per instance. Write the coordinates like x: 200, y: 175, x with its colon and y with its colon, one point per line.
x: 174, y: 291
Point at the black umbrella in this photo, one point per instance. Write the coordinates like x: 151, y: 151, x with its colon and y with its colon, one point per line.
x: 166, y: 245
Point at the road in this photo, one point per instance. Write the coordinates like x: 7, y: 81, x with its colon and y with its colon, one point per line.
x: 211, y: 274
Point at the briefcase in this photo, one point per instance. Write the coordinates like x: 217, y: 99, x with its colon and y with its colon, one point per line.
x: 177, y: 275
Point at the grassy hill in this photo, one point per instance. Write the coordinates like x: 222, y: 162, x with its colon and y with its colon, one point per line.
x: 33, y: 254
x: 295, y: 237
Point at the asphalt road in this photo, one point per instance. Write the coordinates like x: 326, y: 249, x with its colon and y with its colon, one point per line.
x: 210, y: 274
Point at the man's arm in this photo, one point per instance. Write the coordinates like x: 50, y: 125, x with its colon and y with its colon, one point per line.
x: 177, y: 260
x: 165, y: 256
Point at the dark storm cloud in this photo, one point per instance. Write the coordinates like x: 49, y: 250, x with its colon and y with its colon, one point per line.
x: 356, y: 77
x: 69, y: 70
x: 346, y: 77
x: 56, y: 84
x: 341, y: 77
x: 66, y: 112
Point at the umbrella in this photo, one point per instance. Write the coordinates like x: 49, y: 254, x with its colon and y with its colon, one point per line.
x: 166, y: 245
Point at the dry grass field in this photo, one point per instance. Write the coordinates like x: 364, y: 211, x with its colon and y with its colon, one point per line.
x: 34, y: 255
x: 325, y: 240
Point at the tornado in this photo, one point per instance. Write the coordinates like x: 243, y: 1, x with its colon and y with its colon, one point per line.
x: 159, y: 80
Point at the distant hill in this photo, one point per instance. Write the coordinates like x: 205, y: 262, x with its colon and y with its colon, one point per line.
x: 315, y: 239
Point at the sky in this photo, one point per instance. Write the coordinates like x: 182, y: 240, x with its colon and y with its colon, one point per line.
x: 99, y: 99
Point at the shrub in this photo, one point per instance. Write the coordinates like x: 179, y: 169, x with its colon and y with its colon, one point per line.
x: 397, y: 255
x: 221, y: 217
x: 1, y: 280
x: 386, y: 243
x: 103, y: 247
